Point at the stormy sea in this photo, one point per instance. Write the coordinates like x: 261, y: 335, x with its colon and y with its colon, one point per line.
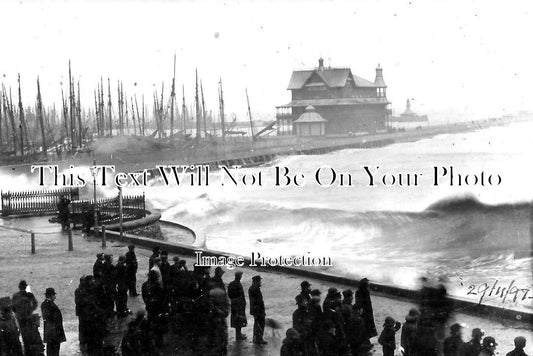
x: 476, y: 239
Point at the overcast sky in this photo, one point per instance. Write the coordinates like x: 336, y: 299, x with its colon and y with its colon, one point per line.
x: 467, y: 57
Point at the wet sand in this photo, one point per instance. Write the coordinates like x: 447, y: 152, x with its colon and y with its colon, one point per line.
x: 54, y: 266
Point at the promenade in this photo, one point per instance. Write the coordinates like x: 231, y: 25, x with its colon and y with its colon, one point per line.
x: 54, y: 266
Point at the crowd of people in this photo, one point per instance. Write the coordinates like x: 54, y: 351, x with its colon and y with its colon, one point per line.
x: 188, y: 310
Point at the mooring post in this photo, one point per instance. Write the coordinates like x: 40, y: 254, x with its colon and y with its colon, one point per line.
x: 33, y: 243
x: 70, y: 246
x: 103, y: 237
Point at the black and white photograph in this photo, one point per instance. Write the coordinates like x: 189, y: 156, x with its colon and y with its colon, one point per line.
x: 264, y: 178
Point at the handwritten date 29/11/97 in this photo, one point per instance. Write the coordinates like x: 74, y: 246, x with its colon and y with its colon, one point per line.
x: 503, y: 292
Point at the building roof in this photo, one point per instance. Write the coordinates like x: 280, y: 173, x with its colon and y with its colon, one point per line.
x: 332, y: 77
x: 334, y: 102
x: 310, y: 116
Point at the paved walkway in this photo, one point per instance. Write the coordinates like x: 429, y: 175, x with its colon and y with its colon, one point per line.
x: 54, y: 266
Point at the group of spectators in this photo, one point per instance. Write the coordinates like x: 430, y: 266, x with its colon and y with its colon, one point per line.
x: 187, y: 311
x: 343, y: 326
x: 19, y: 319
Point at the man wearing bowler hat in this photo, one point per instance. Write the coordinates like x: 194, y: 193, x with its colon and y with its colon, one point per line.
x: 54, y: 334
x: 257, y: 310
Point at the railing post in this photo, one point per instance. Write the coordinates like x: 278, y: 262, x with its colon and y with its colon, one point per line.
x: 103, y: 237
x: 70, y: 246
x: 33, y: 243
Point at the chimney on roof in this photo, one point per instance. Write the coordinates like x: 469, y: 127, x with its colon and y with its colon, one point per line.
x: 320, y: 63
x: 379, y: 81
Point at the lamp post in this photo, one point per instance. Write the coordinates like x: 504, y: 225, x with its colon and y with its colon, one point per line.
x: 94, y: 173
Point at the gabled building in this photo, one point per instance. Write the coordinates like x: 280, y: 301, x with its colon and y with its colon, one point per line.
x: 348, y: 103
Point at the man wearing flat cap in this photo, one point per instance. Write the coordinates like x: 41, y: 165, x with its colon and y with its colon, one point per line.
x: 54, y: 334
x: 257, y: 310
x: 132, y: 266
x: 238, y: 306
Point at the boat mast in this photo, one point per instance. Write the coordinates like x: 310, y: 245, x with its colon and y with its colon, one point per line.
x: 204, y: 115
x: 221, y: 103
x: 172, y: 99
x: 41, y: 119
x: 109, y: 113
x: 184, y: 111
x: 197, y: 104
x: 250, y: 116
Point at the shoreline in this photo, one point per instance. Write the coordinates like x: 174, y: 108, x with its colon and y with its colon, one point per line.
x: 253, y: 153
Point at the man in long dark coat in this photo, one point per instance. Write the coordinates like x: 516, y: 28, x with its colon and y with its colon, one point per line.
x: 238, y: 306
x: 362, y: 298
x: 132, y: 265
x: 109, y: 284
x: 98, y: 265
x: 121, y: 299
x: 64, y: 212
x: 54, y: 334
x: 24, y: 304
x: 257, y: 310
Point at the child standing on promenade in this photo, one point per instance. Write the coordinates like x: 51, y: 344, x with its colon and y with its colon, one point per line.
x: 387, y: 338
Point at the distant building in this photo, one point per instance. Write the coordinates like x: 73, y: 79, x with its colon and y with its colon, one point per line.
x: 409, y: 115
x: 348, y: 104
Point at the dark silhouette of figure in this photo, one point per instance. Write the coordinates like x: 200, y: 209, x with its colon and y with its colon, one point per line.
x: 302, y: 323
x: 155, y: 254
x: 454, y: 342
x: 9, y: 332
x: 328, y: 344
x: 291, y: 345
x: 154, y: 299
x: 54, y: 334
x: 98, y: 265
x: 315, y: 314
x: 520, y: 345
x: 136, y: 340
x: 387, y: 339
x: 109, y: 284
x: 164, y: 267
x: 121, y: 276
x: 218, y: 334
x: 24, y: 304
x: 488, y: 346
x: 362, y: 297
x: 217, y: 279
x: 305, y: 290
x: 238, y: 306
x: 409, y: 330
x: 132, y: 266
x: 257, y: 310
x: 472, y: 347
x: 332, y: 315
x: 64, y: 212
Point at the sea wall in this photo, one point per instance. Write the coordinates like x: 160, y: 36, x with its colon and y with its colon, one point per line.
x: 467, y: 307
